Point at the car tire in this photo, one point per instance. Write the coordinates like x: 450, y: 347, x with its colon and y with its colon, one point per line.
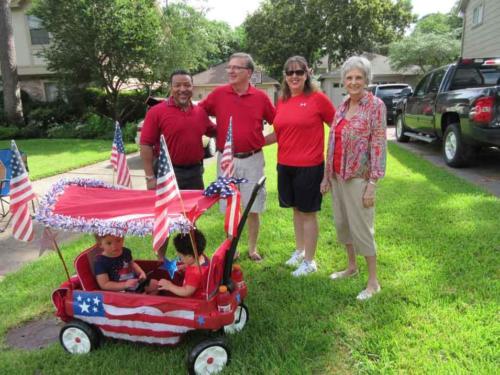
x: 455, y: 153
x: 208, y: 357
x: 77, y: 337
x: 210, y: 149
x: 400, y: 129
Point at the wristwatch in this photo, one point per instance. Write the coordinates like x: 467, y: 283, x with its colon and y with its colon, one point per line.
x: 149, y: 178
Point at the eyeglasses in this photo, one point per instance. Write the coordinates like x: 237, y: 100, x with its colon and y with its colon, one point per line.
x: 235, y: 67
x: 298, y: 72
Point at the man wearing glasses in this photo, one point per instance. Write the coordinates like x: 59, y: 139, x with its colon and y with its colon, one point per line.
x: 249, y: 108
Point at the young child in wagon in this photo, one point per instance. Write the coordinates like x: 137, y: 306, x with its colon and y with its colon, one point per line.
x: 116, y: 270
x: 192, y: 284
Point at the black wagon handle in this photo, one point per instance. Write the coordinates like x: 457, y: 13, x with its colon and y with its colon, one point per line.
x: 228, y: 263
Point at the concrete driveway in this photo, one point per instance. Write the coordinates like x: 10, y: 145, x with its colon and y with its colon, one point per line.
x: 484, y: 172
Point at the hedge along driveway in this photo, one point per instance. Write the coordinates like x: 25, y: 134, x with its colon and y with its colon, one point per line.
x: 48, y: 157
x: 438, y: 241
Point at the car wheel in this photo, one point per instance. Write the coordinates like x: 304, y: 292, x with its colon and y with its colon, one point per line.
x: 240, y: 320
x: 210, y: 148
x: 77, y: 337
x: 400, y: 129
x: 455, y: 152
x: 208, y: 357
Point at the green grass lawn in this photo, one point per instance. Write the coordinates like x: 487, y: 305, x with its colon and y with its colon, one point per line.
x: 47, y: 157
x: 438, y: 239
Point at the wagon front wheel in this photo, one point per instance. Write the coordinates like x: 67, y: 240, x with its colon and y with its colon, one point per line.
x: 208, y: 357
x: 240, y: 320
x: 77, y: 337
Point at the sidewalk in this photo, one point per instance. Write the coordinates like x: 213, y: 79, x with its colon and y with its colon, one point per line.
x: 14, y: 254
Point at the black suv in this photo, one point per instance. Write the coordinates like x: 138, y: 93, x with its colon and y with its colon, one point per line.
x: 390, y: 94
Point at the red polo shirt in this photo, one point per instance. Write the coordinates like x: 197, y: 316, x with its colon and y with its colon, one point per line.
x: 299, y: 129
x: 248, y: 112
x: 182, y: 131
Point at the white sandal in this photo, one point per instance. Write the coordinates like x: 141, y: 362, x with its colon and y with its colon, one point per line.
x: 366, y: 295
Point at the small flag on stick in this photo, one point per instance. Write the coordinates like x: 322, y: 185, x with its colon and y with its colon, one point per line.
x: 119, y: 160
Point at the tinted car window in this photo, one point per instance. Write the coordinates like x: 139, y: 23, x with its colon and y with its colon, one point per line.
x: 389, y: 91
x: 437, y: 77
x: 421, y: 87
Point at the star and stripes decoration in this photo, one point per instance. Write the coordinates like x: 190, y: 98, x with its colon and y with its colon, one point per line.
x: 226, y: 187
x: 119, y: 160
x: 170, y: 266
x: 167, y: 190
x: 21, y: 193
x: 226, y: 161
x: 138, y: 317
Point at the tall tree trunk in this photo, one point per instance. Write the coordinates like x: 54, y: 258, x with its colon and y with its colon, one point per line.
x: 13, y: 106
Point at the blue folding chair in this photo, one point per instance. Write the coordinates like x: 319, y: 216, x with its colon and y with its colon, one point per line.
x: 5, y: 176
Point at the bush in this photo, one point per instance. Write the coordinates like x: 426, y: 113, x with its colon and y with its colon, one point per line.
x: 129, y: 131
x: 96, y: 126
x: 67, y: 130
x: 8, y: 132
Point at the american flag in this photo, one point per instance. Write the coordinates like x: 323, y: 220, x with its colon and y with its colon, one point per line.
x: 233, y: 212
x: 119, y: 160
x: 166, y: 191
x: 20, y: 194
x: 226, y: 162
x: 134, y: 317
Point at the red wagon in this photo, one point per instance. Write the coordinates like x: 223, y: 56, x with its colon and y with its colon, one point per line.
x: 91, y: 313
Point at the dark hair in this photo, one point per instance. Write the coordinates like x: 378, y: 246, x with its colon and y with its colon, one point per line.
x: 242, y: 55
x: 308, y: 85
x: 180, y: 72
x: 183, y: 245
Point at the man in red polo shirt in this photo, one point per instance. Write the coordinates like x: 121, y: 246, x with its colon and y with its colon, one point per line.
x: 248, y: 108
x: 183, y: 125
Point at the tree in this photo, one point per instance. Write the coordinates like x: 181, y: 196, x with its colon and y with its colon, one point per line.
x: 105, y: 42
x: 11, y: 91
x: 314, y: 28
x: 427, y: 51
x: 434, y: 42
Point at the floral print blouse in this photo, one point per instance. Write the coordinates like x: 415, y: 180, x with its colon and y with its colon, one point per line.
x: 364, y: 143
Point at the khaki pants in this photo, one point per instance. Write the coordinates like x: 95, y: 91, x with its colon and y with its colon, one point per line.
x: 353, y: 222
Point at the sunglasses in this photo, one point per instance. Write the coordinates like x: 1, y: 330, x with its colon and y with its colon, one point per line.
x: 298, y: 72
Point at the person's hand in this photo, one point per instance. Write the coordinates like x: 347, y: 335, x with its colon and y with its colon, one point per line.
x: 151, y: 184
x: 324, y: 187
x: 142, y: 275
x: 164, y: 284
x: 131, y: 283
x: 369, y: 196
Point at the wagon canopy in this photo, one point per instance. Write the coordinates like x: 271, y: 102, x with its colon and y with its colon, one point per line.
x: 92, y: 206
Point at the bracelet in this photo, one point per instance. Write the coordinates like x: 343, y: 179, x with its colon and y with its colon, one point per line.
x: 149, y: 178
x: 372, y: 182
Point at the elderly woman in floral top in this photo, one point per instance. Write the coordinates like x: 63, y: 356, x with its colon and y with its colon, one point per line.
x: 355, y: 162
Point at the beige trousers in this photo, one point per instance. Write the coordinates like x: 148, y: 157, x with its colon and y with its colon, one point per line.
x: 353, y: 222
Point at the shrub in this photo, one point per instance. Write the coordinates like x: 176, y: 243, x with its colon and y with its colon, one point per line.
x: 67, y: 130
x: 8, y: 132
x: 96, y: 126
x: 129, y: 131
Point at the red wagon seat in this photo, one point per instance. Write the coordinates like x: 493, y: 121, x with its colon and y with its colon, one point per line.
x: 84, y: 266
x: 216, y: 268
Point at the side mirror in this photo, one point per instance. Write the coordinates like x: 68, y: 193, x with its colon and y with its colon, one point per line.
x: 407, y: 91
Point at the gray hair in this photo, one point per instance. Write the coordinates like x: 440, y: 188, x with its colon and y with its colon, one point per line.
x: 242, y: 55
x: 360, y: 63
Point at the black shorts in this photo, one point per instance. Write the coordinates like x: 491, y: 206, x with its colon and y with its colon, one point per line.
x: 299, y: 187
x: 188, y: 177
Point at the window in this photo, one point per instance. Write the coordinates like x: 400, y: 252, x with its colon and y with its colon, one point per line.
x: 51, y: 91
x: 477, y: 15
x: 437, y: 77
x: 38, y: 33
x: 422, y: 86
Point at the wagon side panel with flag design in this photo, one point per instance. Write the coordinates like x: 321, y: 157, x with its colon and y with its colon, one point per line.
x: 149, y: 320
x: 21, y: 193
x: 119, y: 160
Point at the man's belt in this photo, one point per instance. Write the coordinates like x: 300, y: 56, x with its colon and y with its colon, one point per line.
x: 244, y: 155
x: 188, y: 166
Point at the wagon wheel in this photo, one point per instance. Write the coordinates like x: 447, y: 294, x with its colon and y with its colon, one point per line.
x: 240, y: 320
x: 77, y: 337
x: 208, y: 357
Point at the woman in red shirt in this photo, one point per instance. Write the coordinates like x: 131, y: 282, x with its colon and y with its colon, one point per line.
x: 301, y: 113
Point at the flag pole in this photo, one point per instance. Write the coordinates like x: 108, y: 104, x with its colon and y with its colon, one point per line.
x: 58, y: 250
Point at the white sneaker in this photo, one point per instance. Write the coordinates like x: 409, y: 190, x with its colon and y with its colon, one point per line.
x: 296, y: 258
x: 305, y: 268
